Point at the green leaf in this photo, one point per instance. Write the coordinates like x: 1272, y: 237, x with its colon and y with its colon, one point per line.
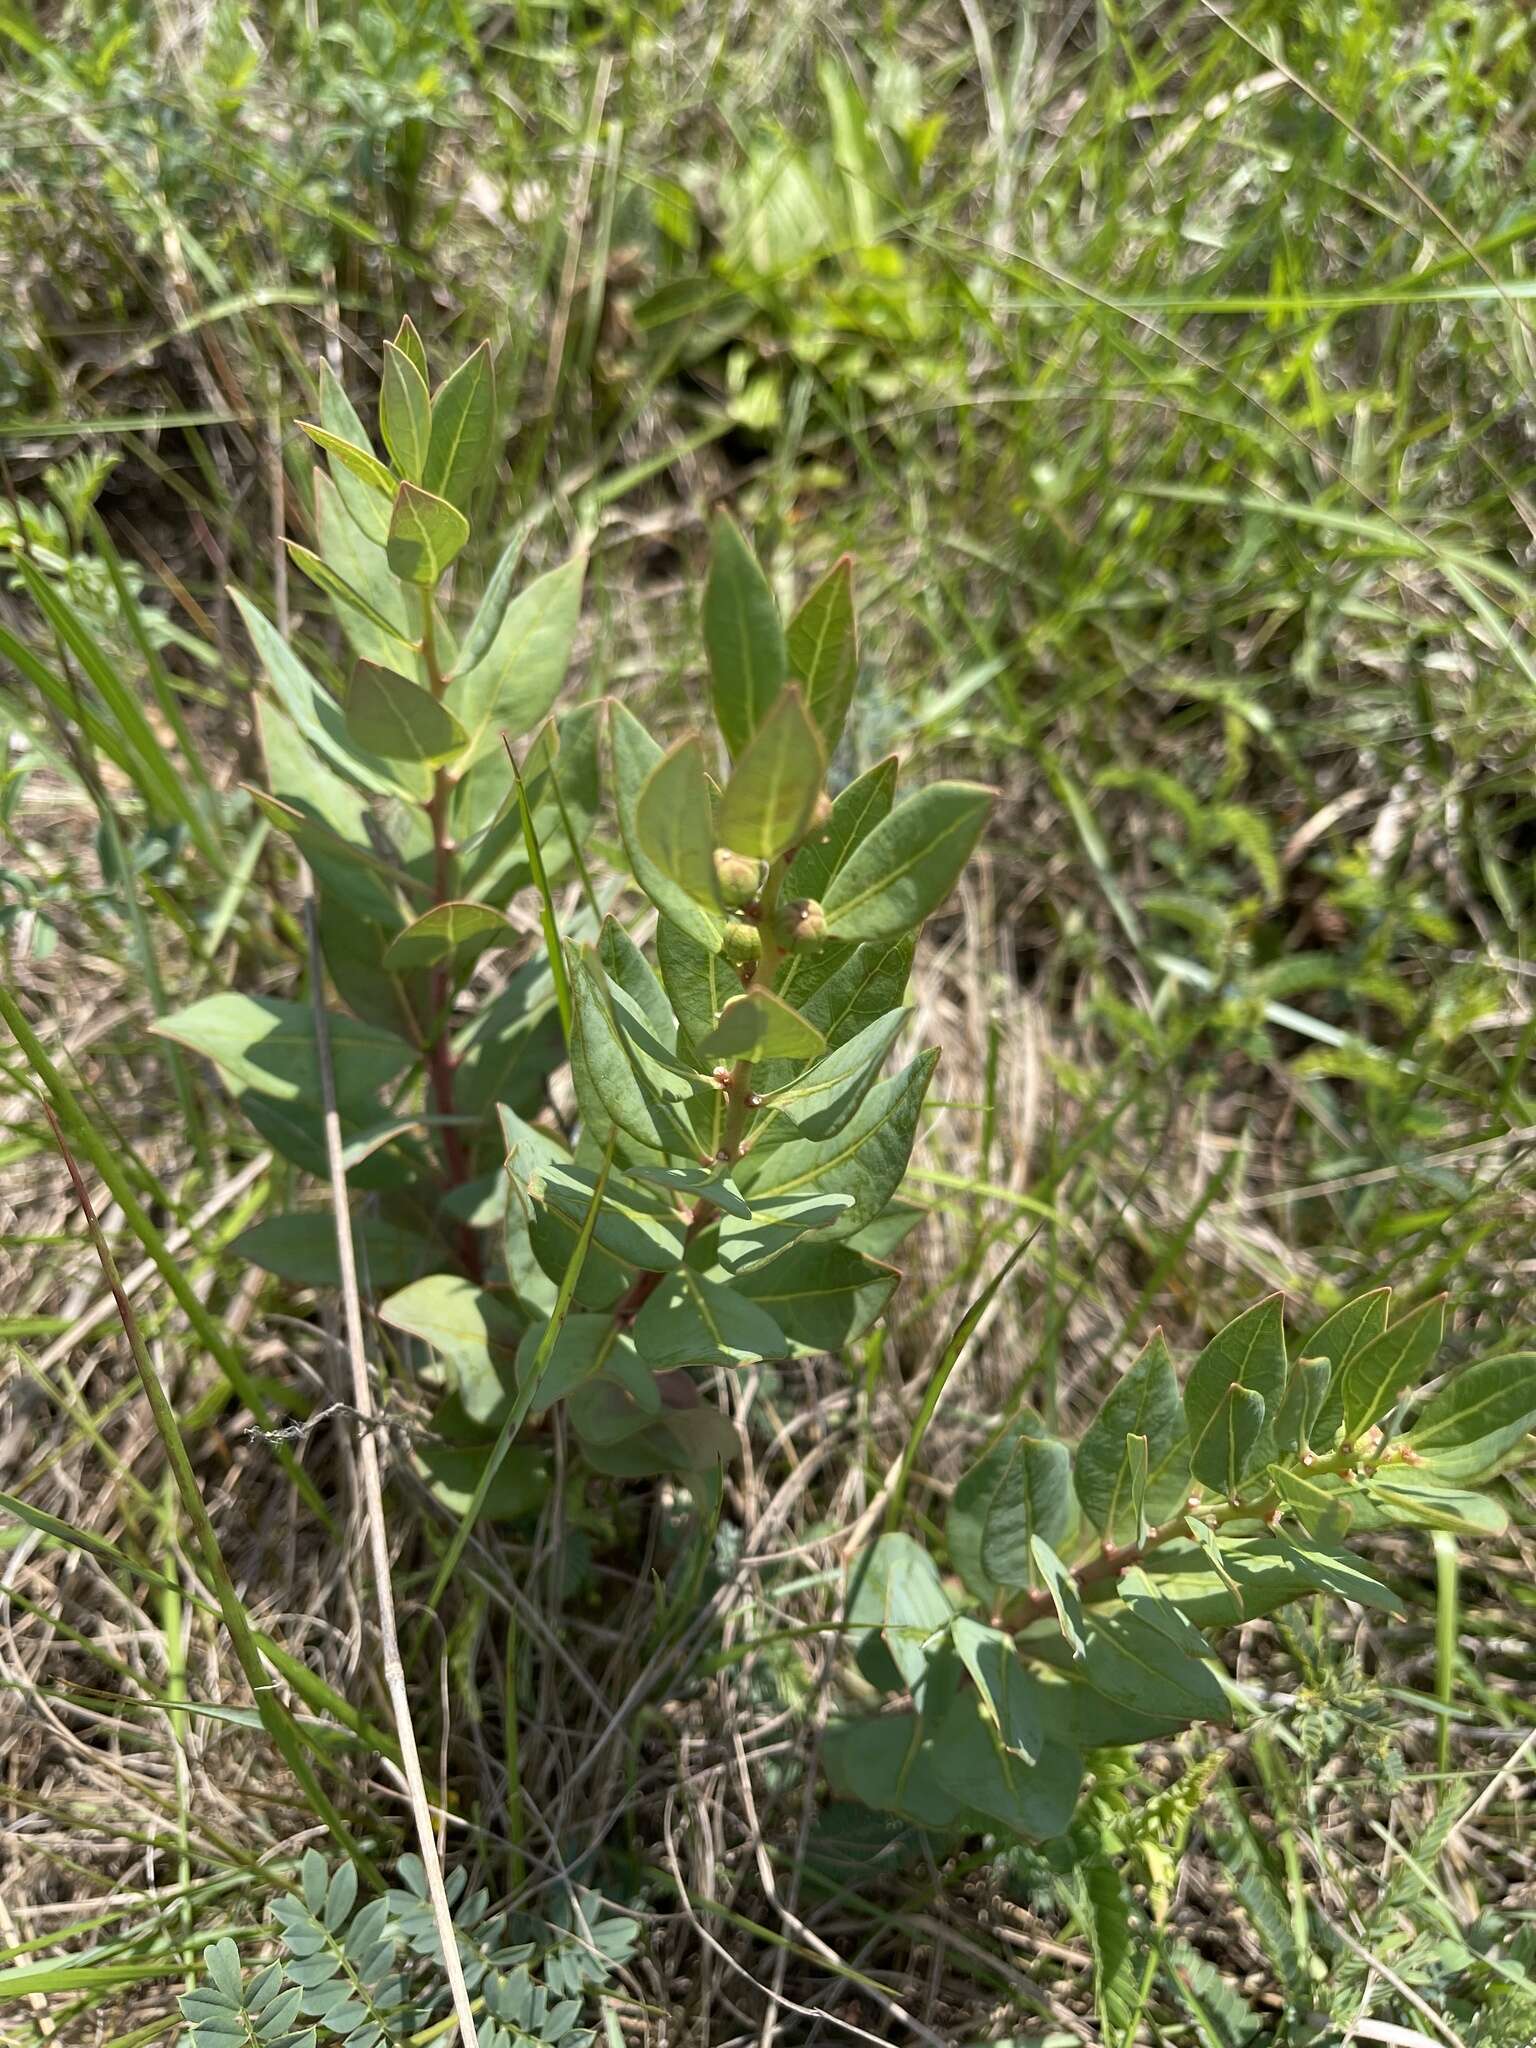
x: 699, y: 1183
x: 1424, y: 1499
x: 1226, y: 1449
x: 759, y: 1026
x: 1117, y: 1971
x: 1305, y: 1392
x: 1249, y: 1352
x: 314, y: 711
x: 635, y: 1224
x: 870, y: 982
x: 1062, y: 1587
x: 329, y: 819
x: 908, y: 864
x: 628, y: 969
x: 1034, y: 1801
x: 1146, y: 1656
x: 367, y: 506
x: 362, y: 566
x: 673, y: 822
x: 357, y: 460
x: 474, y: 1332
x: 463, y: 422
x: 1267, y: 1572
x: 582, y: 1348
x: 634, y: 755
x: 425, y: 534
x: 697, y: 981
x: 743, y: 1247
x: 1032, y: 1497
x: 855, y: 814
x: 302, y: 1249
x: 1402, y: 1356
x: 409, y: 343
x: 884, y: 1763
x: 1009, y: 1698
x: 965, y: 1522
x: 773, y: 789
x: 405, y: 413
x: 691, y: 1320
x: 896, y: 1590
x: 1478, y: 1416
x: 516, y: 654
x: 822, y: 1296
x: 867, y: 1159
x: 449, y: 931
x: 1145, y: 1404
x: 1321, y: 1509
x: 267, y: 1045
x: 748, y: 660
x: 1345, y: 1332
x: 342, y: 594
x: 823, y: 652
x: 400, y: 723
x: 820, y: 1100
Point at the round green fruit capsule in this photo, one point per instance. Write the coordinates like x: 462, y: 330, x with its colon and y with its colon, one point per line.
x: 738, y: 877
x: 742, y: 944
x: 801, y: 926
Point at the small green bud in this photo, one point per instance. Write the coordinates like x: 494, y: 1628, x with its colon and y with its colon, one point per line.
x: 738, y: 877
x: 743, y: 944
x: 801, y: 927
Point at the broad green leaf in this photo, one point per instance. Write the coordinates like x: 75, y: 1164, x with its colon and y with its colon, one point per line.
x: 302, y: 1249
x: 1249, y: 1352
x: 634, y: 755
x: 759, y: 1026
x: 362, y: 565
x: 357, y: 461
x: 313, y: 710
x: 628, y: 969
x: 744, y: 1247
x: 823, y: 1296
x: 1009, y: 1697
x: 823, y: 651
x: 1146, y: 1656
x: 820, y: 1100
x: 869, y: 983
x: 409, y: 343
x: 698, y: 1183
x: 1226, y: 1449
x: 617, y: 1086
x: 1478, y: 1416
x: 327, y: 818
x: 774, y: 786
x: 638, y: 1225
x: 475, y: 1333
x: 884, y: 1763
x: 1062, y: 1587
x: 449, y: 931
x: 619, y: 1402
x: 405, y: 413
x: 343, y: 595
x: 1144, y: 1404
x: 399, y: 722
x: 691, y: 1320
x: 908, y: 864
x: 367, y: 506
x: 267, y: 1045
x: 1034, y: 1801
x: 553, y: 1232
x: 1423, y: 1499
x: 697, y: 981
x: 582, y: 1348
x: 1320, y: 1506
x: 463, y: 423
x: 673, y: 823
x: 966, y: 1520
x: 896, y: 1590
x: 1400, y: 1358
x: 353, y: 948
x: 1268, y: 1572
x: 856, y: 811
x: 659, y: 1070
x: 1337, y: 1339
x: 867, y: 1159
x: 1305, y: 1392
x: 1032, y: 1497
x: 748, y: 660
x: 453, y: 1473
x: 515, y: 655
x: 425, y: 535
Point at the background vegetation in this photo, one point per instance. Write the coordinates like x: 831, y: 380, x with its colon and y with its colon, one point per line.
x: 1167, y: 371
